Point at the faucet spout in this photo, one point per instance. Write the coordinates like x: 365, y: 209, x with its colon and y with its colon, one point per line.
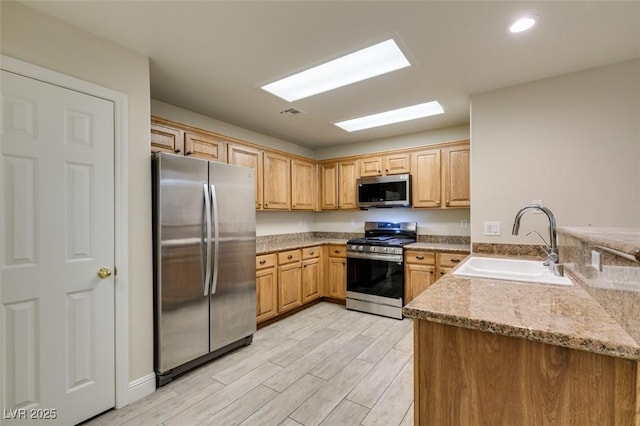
x: 553, y: 242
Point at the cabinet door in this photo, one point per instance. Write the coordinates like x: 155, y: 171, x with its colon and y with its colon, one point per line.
x: 310, y: 280
x: 456, y: 176
x: 304, y: 195
x: 289, y: 286
x: 329, y: 191
x: 425, y: 179
x: 337, y: 278
x: 417, y: 279
x: 396, y: 164
x: 166, y: 139
x: 371, y: 166
x: 204, y: 146
x: 277, y: 181
x: 248, y: 157
x: 347, y: 175
x: 266, y: 294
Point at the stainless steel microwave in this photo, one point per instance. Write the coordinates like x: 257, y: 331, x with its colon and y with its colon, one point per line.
x: 384, y: 191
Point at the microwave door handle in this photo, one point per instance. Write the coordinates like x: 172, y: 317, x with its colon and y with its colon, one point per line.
x: 216, y: 238
x: 206, y: 213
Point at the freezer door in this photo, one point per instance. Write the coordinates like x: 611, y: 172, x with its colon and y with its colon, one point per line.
x: 180, y: 291
x: 233, y: 289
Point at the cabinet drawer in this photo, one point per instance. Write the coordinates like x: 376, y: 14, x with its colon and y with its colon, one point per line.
x: 420, y: 257
x: 311, y: 252
x: 266, y: 261
x: 451, y: 259
x: 289, y: 256
x: 337, y: 251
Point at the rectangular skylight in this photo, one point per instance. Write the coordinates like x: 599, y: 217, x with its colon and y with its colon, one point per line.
x: 370, y: 62
x: 391, y: 117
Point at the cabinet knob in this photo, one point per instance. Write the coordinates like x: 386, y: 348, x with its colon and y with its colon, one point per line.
x: 455, y: 260
x: 177, y: 151
x: 262, y: 262
x: 266, y: 204
x: 431, y: 272
x: 419, y: 257
x: 290, y: 257
x: 442, y: 273
x: 310, y: 253
x: 336, y: 251
x: 188, y: 153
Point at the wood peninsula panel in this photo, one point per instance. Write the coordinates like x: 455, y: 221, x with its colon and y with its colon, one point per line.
x: 468, y: 377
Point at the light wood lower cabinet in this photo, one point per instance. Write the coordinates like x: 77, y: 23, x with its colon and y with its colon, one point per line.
x: 336, y: 281
x: 266, y: 287
x: 419, y: 273
x: 447, y: 261
x: 473, y: 378
x: 289, y: 280
x: 422, y: 268
x: 311, y: 273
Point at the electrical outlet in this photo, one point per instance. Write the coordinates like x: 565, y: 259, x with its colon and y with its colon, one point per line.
x: 464, y: 224
x: 492, y: 228
x: 596, y: 260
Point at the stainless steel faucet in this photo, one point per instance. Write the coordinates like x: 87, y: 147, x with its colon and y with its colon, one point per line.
x: 552, y: 246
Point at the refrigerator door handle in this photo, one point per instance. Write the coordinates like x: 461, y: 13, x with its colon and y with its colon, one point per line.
x: 207, y: 236
x: 216, y: 238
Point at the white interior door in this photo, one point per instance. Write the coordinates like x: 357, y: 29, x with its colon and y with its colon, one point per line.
x: 57, y: 205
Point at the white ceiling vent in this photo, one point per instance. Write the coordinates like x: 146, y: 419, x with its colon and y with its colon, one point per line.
x: 291, y: 112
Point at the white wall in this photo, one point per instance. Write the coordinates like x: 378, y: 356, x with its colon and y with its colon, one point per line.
x: 33, y: 37
x: 432, y: 137
x: 572, y: 141
x: 171, y: 112
x: 430, y: 222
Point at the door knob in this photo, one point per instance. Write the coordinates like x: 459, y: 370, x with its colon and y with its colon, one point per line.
x: 104, y: 273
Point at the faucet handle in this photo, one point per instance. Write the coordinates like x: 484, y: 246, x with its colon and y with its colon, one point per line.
x: 541, y: 237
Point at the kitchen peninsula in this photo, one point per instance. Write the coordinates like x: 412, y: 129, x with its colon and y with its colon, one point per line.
x: 500, y: 352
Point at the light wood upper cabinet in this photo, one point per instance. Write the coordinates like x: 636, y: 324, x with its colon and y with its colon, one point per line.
x: 205, y: 146
x: 304, y: 183
x: 391, y: 164
x: 277, y: 181
x: 339, y: 185
x: 246, y: 156
x: 425, y: 178
x: 166, y: 139
x: 347, y: 175
x: 329, y: 184
x: 456, y: 176
x: 440, y: 177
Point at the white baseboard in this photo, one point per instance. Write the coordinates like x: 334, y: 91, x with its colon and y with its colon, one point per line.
x: 139, y: 388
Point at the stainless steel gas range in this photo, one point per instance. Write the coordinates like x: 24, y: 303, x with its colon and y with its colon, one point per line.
x: 375, y: 268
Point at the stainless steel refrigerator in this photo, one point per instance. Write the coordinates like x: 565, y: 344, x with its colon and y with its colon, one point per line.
x: 204, y: 261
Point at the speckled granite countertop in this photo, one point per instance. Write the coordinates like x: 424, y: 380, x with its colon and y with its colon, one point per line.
x: 625, y: 240
x: 444, y: 247
x: 562, y: 316
x: 270, y: 247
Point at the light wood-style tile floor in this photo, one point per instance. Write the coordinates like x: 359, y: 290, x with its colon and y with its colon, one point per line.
x: 322, y: 366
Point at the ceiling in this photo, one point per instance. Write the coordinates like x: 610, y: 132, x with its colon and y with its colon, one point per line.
x: 212, y: 56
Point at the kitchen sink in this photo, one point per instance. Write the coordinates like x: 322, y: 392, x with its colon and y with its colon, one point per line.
x: 531, y: 271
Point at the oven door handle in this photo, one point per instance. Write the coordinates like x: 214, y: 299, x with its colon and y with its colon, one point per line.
x: 373, y: 256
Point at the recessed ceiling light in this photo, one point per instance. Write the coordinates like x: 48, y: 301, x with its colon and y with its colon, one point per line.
x: 390, y: 117
x: 522, y: 24
x: 370, y: 62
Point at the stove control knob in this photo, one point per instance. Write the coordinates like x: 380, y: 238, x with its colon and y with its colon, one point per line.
x: 360, y: 248
x: 353, y: 247
x: 372, y: 248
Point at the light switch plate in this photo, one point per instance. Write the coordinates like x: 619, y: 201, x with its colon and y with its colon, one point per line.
x: 492, y: 228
